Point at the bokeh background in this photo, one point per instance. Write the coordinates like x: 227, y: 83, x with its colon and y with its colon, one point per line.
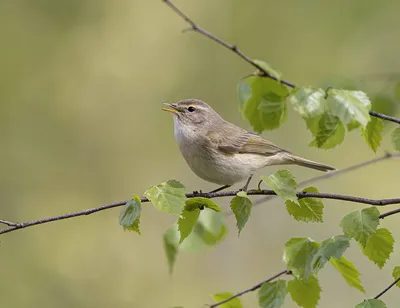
x: 81, y: 86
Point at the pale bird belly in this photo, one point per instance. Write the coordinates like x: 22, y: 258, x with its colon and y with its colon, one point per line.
x: 223, y: 169
x: 212, y: 165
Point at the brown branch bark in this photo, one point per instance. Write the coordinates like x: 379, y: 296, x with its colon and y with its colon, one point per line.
x: 253, y: 288
x: 266, y: 192
x: 387, y: 288
x: 331, y: 174
x: 196, y: 28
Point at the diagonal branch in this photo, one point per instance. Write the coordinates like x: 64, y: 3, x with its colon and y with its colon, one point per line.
x: 8, y: 223
x: 328, y: 175
x: 384, y: 117
x: 390, y: 213
x: 220, y: 194
x: 387, y: 288
x: 287, y: 272
x: 253, y: 288
x: 196, y: 28
x: 234, y: 48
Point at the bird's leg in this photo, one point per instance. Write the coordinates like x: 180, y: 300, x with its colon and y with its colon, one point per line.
x: 244, y: 188
x: 219, y: 189
x: 259, y: 185
x: 195, y: 192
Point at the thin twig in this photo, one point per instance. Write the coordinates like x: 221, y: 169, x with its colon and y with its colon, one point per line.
x: 253, y: 288
x: 257, y: 286
x: 384, y: 117
x: 220, y: 194
x: 328, y: 175
x: 234, y: 48
x: 196, y: 28
x: 388, y: 288
x: 8, y: 223
x: 61, y: 217
x: 380, y: 202
x: 384, y: 215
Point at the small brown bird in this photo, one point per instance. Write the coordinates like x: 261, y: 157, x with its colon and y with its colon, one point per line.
x: 221, y: 152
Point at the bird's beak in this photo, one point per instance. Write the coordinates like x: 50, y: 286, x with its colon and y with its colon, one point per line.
x: 174, y: 109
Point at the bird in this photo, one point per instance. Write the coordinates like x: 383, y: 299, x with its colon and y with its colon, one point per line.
x: 221, y: 152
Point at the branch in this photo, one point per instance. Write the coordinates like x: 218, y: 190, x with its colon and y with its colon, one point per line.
x: 384, y: 117
x: 384, y: 215
x: 220, y: 194
x: 257, y: 286
x: 22, y: 225
x: 253, y: 288
x: 8, y: 223
x: 328, y: 175
x: 196, y: 28
x: 388, y: 288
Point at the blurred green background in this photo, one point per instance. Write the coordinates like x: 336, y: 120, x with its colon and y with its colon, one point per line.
x: 81, y: 86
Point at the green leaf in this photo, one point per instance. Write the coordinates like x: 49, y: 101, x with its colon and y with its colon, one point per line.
x: 349, y: 106
x: 241, y: 208
x: 308, y: 102
x: 361, y: 224
x: 353, y: 125
x: 242, y: 193
x: 266, y: 67
x: 379, y: 247
x: 167, y: 197
x: 208, y: 231
x: 272, y: 294
x: 283, y: 184
x: 383, y: 103
x: 212, y: 230
x: 372, y: 303
x: 129, y: 218
x: 306, y: 293
x: 333, y: 247
x: 330, y: 132
x: 372, y: 133
x: 349, y: 272
x: 187, y: 222
x: 171, y: 242
x: 298, y: 255
x: 307, y: 209
x: 396, y: 274
x: 244, y: 94
x: 266, y: 107
x: 233, y: 303
x: 396, y: 139
x: 190, y: 214
x: 200, y: 203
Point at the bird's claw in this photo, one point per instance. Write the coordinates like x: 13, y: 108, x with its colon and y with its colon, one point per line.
x: 244, y: 188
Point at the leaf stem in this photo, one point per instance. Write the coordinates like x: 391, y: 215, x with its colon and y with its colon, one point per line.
x: 387, y: 288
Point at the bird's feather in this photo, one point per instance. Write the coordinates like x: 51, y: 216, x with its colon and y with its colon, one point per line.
x: 237, y: 140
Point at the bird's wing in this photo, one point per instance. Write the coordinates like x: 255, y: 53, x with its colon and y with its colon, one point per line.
x: 237, y: 140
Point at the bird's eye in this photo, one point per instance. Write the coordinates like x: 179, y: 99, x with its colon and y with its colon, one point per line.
x: 191, y: 109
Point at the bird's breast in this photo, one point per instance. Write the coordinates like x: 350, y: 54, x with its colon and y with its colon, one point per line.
x: 207, y: 162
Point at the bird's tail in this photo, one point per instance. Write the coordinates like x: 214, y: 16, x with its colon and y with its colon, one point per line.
x: 293, y: 159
